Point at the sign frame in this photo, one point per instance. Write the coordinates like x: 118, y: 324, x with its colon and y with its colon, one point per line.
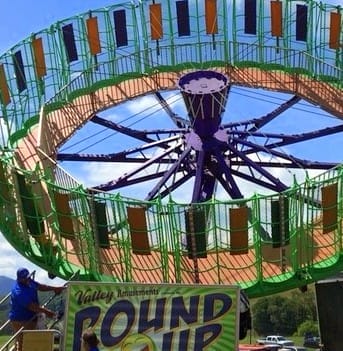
x: 151, y: 317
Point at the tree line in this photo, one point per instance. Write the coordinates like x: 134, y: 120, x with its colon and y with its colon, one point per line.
x: 294, y: 313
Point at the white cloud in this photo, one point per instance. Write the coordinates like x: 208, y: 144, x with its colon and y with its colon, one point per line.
x: 95, y: 173
x: 11, y: 260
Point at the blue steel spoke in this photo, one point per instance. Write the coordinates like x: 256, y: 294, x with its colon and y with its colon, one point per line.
x: 230, y: 185
x: 179, y: 121
x: 293, y: 165
x: 110, y: 185
x: 262, y: 121
x: 259, y: 123
x: 113, y: 159
x: 293, y: 161
x: 254, y: 180
x: 124, y: 182
x: 296, y: 138
x: 187, y: 175
x: 198, y: 176
x: 121, y: 156
x: 134, y: 133
x: 137, y: 134
x: 287, y: 139
x: 168, y: 174
x: 250, y: 163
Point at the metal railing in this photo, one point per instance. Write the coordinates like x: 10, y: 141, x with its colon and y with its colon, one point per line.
x: 10, y: 344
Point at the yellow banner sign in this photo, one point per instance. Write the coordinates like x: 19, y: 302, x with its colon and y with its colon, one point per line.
x: 142, y: 317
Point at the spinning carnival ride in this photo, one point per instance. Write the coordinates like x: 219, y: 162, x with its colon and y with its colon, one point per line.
x: 59, y: 87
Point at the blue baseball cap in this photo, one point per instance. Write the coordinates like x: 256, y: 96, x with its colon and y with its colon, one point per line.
x: 23, y: 273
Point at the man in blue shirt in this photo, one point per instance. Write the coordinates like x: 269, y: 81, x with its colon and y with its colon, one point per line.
x: 24, y: 301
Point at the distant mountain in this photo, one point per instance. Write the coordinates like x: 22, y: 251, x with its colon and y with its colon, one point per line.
x: 6, y: 285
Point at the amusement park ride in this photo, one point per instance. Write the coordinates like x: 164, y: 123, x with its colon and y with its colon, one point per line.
x: 63, y: 81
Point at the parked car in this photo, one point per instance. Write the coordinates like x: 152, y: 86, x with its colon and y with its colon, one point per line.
x: 275, y: 339
x: 248, y: 347
x: 311, y: 341
x: 269, y: 347
x: 293, y: 348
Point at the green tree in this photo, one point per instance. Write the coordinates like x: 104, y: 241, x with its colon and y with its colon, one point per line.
x: 308, y: 327
x: 282, y: 314
x: 307, y: 301
x: 261, y: 318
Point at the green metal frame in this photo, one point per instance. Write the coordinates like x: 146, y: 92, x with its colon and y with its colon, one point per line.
x: 142, y: 56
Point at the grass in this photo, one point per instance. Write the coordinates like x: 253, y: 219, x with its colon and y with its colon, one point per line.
x: 4, y: 339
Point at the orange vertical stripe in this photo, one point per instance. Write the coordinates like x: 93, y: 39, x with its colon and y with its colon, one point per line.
x: 156, y: 21
x: 93, y: 35
x: 330, y: 210
x: 138, y: 229
x: 38, y: 52
x: 239, y: 231
x: 5, y: 94
x: 335, y: 29
x: 276, y: 18
x: 211, y: 16
x: 64, y: 215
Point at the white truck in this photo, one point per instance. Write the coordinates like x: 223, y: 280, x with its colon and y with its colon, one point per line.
x: 275, y: 339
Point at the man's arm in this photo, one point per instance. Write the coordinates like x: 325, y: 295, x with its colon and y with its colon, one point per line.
x: 44, y: 287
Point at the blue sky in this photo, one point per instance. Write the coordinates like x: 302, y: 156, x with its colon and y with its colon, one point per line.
x: 20, y: 18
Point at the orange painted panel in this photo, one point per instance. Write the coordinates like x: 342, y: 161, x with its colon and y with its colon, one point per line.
x: 156, y: 21
x: 276, y: 18
x: 138, y: 228
x: 335, y: 29
x: 5, y: 94
x: 64, y: 215
x: 211, y: 16
x: 93, y: 35
x: 239, y: 231
x: 38, y: 53
x: 330, y: 210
